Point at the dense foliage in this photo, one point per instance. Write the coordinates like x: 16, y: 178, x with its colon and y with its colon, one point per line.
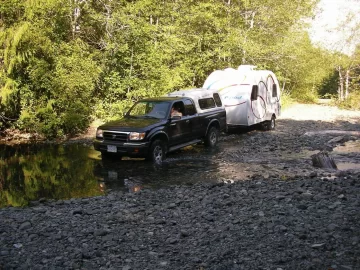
x: 64, y: 62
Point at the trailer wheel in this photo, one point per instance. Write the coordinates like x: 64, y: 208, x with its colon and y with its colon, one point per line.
x: 269, y: 125
x: 211, y: 137
x: 157, y: 152
x: 272, y: 123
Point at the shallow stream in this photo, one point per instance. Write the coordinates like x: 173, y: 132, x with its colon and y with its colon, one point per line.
x: 47, y: 171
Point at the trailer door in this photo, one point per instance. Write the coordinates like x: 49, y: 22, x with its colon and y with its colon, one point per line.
x: 273, y: 95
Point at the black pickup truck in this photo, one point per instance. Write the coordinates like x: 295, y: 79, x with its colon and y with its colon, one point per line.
x: 148, y: 130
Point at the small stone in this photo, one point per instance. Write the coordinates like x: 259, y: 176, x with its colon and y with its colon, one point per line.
x: 100, y: 232
x: 318, y: 245
x: 19, y: 245
x: 25, y: 226
x: 172, y: 241
x: 184, y: 233
x: 172, y: 205
x: 32, y: 237
x: 244, y: 192
x: 126, y: 267
x: 152, y: 253
x: 71, y: 240
x: 302, y: 207
x: 332, y: 227
x: 4, y: 253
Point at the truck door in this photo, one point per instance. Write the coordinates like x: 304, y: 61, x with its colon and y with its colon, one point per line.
x: 180, y: 127
x: 193, y: 119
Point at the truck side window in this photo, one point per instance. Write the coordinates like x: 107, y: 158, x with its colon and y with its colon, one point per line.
x: 217, y: 99
x: 189, y: 107
x: 206, y: 103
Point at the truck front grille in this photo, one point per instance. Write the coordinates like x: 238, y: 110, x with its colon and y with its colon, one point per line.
x: 115, y: 136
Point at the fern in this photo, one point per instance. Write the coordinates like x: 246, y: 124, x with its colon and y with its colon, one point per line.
x: 12, y: 54
x: 9, y: 88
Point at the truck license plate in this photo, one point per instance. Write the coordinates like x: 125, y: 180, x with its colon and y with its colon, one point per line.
x: 111, y: 148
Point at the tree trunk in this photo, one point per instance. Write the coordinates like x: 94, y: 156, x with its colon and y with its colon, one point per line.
x: 76, y: 15
x: 341, y: 86
x: 347, y: 76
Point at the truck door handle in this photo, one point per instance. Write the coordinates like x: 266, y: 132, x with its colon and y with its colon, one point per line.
x: 173, y: 124
x: 187, y: 121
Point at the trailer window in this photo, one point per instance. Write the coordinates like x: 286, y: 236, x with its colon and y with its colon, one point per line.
x: 272, y: 86
x: 206, y: 103
x: 217, y: 99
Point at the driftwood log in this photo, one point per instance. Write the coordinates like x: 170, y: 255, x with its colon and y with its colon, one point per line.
x: 323, y: 160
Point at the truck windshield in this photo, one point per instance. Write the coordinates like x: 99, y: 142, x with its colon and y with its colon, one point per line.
x: 150, y: 109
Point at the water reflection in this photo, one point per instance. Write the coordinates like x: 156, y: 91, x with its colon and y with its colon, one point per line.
x: 31, y: 172
x: 134, y: 175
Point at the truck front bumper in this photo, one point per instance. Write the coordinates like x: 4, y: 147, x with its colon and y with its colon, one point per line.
x: 130, y: 149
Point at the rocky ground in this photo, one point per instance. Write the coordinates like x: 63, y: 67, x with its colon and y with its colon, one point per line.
x: 285, y: 215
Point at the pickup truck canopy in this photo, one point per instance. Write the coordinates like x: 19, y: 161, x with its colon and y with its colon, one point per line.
x: 198, y: 95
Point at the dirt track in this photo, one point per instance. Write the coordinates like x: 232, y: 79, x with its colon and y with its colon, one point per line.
x: 318, y: 112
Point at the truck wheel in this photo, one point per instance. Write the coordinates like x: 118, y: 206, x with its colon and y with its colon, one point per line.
x: 157, y: 152
x: 211, y: 137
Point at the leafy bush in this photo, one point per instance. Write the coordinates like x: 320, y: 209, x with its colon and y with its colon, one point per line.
x: 307, y: 97
x: 75, y: 119
x: 286, y: 99
x: 351, y: 103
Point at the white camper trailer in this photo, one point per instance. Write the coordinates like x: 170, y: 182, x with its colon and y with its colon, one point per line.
x: 250, y: 96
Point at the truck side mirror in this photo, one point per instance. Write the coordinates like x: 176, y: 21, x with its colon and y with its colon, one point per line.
x: 274, y: 90
x: 254, y: 92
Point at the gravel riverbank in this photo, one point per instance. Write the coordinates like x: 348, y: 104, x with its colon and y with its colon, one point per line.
x: 297, y: 223
x: 286, y: 215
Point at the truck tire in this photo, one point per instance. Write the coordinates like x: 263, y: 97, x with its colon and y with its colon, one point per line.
x: 211, y: 137
x: 157, y: 152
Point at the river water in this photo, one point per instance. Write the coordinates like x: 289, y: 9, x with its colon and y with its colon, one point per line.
x: 48, y: 171
x: 32, y: 172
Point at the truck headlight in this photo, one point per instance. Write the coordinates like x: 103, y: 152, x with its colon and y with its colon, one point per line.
x: 99, y: 133
x: 136, y: 136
